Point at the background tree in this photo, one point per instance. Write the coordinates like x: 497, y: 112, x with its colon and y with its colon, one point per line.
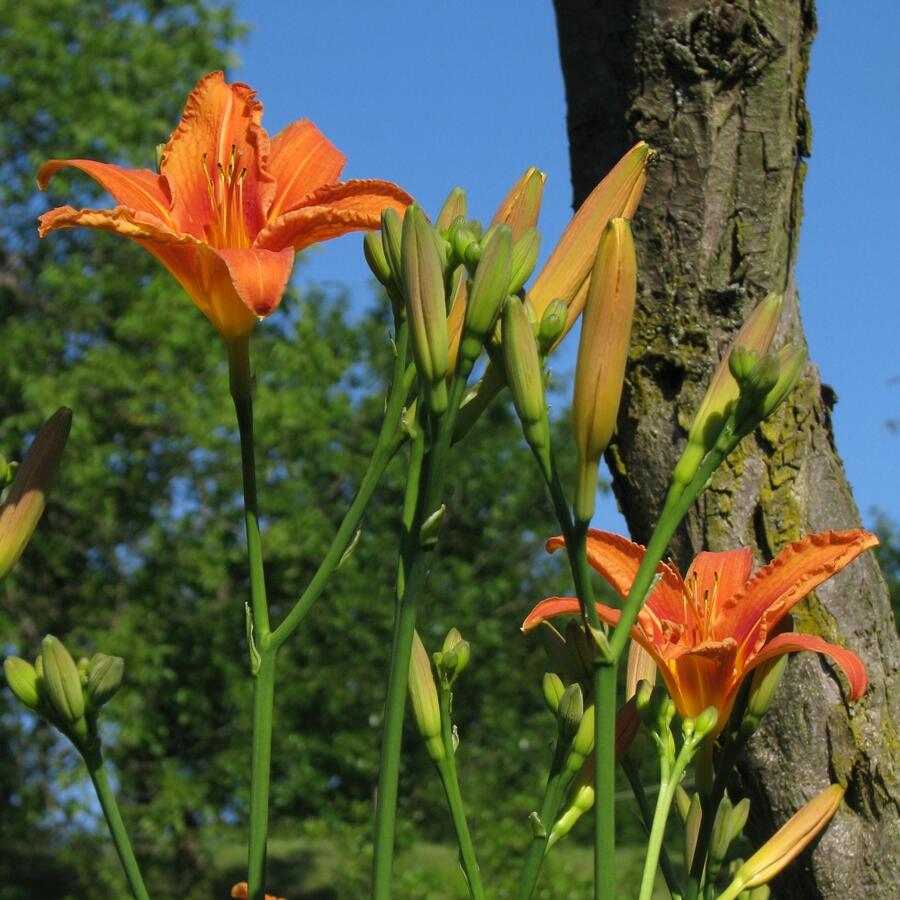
x: 718, y: 89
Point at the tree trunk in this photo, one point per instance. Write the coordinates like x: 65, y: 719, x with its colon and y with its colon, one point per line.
x: 718, y: 90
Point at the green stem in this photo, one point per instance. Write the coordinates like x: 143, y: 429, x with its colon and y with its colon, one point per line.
x: 447, y: 770
x: 412, y: 573
x: 634, y: 779
x: 263, y: 703
x: 390, y: 438
x: 605, y: 781
x: 668, y: 783
x: 116, y: 826
x: 261, y: 653
x: 554, y: 794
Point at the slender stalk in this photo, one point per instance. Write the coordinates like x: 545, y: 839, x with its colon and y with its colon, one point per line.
x: 263, y: 703
x: 447, y: 770
x: 605, y: 781
x: 116, y: 826
x: 668, y: 783
x: 259, y: 635
x: 412, y: 573
x: 634, y: 779
x: 390, y: 438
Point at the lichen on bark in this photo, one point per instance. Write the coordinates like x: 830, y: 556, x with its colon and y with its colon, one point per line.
x: 718, y: 90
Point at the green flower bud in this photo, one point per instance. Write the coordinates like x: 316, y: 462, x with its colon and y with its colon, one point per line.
x: 489, y: 290
x: 764, y: 684
x: 553, y: 691
x: 756, y: 386
x: 553, y: 322
x: 523, y: 373
x: 22, y: 680
x: 424, y: 699
x: 583, y: 742
x: 392, y: 240
x: 104, y: 679
x: 692, y: 820
x: 524, y: 259
x: 62, y: 683
x: 454, y: 208
x: 426, y: 306
x: 700, y: 726
x: 792, y: 359
x: 454, y: 643
x: 720, y: 839
x: 571, y: 712
x: 741, y: 362
x: 27, y: 496
x: 373, y: 250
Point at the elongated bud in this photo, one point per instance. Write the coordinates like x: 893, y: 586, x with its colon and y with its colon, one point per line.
x: 22, y: 680
x: 423, y: 291
x: 28, y: 493
x: 756, y: 385
x: 456, y: 316
x: 754, y: 337
x: 581, y: 794
x: 791, y: 360
x: 392, y: 240
x: 373, y: 251
x: 104, y: 679
x: 522, y: 205
x: 569, y: 266
x: 488, y: 292
x: 424, y: 699
x: 553, y: 691
x: 524, y: 258
x: 523, y: 373
x: 787, y: 843
x: 62, y: 683
x: 571, y: 712
x: 602, y: 354
x: 720, y: 839
x: 640, y: 667
x: 553, y: 321
x: 452, y: 658
x: 583, y: 742
x: 454, y: 207
x: 764, y: 684
x: 692, y: 818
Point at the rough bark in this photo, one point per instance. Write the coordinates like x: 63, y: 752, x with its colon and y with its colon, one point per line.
x: 718, y: 90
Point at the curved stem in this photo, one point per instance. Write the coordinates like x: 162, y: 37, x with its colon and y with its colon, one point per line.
x: 447, y: 770
x: 411, y: 577
x: 116, y: 826
x: 390, y: 438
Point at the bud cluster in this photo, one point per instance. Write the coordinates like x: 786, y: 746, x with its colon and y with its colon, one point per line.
x: 65, y: 693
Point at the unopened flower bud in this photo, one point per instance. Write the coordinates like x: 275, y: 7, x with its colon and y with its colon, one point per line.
x: 553, y: 691
x: 583, y: 742
x: 28, y: 493
x: 424, y: 699
x: 523, y: 373
x: 524, y: 258
x: 392, y: 241
x: 373, y: 251
x: 488, y: 292
x: 791, y: 360
x: 755, y: 336
x: 640, y: 667
x: 22, y: 680
x: 553, y: 321
x: 764, y: 684
x: 756, y: 385
x: 787, y: 843
x: 741, y: 362
x: 104, y: 679
x: 602, y: 354
x: 692, y: 817
x: 522, y: 205
x: 62, y: 684
x: 703, y: 724
x: 426, y: 306
x: 570, y: 713
x: 454, y: 207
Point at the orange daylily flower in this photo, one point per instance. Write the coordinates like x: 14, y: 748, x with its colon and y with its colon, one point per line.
x: 705, y: 632
x: 229, y: 208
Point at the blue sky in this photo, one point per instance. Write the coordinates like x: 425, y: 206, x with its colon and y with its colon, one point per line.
x: 471, y: 93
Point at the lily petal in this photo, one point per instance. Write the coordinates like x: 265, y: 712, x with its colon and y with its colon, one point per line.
x: 799, y: 569
x: 130, y: 223
x: 259, y: 276
x: 302, y: 161
x: 331, y: 211
x: 617, y: 559
x: 217, y: 117
x: 139, y: 189
x: 791, y: 642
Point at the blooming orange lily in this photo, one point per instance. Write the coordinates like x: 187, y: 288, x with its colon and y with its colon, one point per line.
x: 707, y: 631
x: 229, y: 209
